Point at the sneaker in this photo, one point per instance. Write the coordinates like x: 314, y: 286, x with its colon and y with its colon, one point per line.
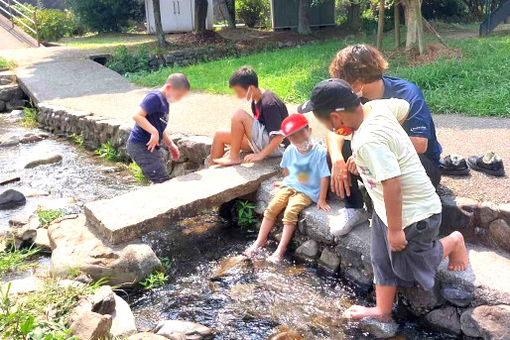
x: 349, y: 218
x: 490, y: 164
x: 454, y: 165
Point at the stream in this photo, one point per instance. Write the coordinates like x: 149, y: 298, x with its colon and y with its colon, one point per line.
x: 247, y: 300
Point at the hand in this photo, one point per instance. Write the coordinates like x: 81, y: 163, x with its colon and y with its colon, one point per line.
x: 254, y: 157
x: 397, y: 239
x: 340, y: 179
x: 153, y: 142
x: 174, y: 153
x: 351, y: 166
x: 323, y: 205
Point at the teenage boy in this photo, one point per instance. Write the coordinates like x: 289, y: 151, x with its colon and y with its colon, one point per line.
x: 306, y: 172
x: 404, y: 248
x: 260, y: 132
x: 151, y: 120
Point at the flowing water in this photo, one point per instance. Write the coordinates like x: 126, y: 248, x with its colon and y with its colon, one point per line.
x: 208, y: 281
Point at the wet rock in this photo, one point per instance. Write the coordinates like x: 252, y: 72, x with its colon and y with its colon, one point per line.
x: 103, y: 300
x: 445, y: 319
x: 286, y: 335
x: 487, y: 322
x: 308, y: 250
x: 42, y: 240
x: 50, y: 159
x: 74, y: 245
x: 379, y: 329
x: 487, y: 212
x: 32, y: 138
x: 329, y: 260
x: 8, y: 180
x: 359, y: 277
x: 11, y: 199
x: 92, y: 326
x: 183, y: 330
x: 229, y: 266
x: 499, y: 234
x: 146, y: 336
x: 195, y: 148
x: 456, y: 296
x: 422, y: 301
x: 123, y: 320
x: 9, y: 140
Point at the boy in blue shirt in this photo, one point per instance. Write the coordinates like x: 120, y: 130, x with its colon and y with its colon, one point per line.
x: 306, y: 172
x: 149, y: 131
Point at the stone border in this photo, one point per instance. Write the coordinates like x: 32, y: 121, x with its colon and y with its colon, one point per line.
x: 12, y: 96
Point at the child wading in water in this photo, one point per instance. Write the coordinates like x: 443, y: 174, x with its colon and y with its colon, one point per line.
x: 306, y: 180
x: 404, y: 248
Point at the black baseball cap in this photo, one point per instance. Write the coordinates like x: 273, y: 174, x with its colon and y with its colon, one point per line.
x: 331, y: 94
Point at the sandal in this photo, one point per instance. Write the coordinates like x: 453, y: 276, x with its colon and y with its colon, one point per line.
x: 490, y: 163
x: 454, y: 165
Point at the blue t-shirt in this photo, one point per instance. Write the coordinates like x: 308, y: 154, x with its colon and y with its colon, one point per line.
x: 306, y: 170
x: 419, y: 121
x: 157, y: 108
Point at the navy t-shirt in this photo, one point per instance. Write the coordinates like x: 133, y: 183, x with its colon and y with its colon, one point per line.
x: 419, y: 121
x: 157, y: 108
x: 270, y: 111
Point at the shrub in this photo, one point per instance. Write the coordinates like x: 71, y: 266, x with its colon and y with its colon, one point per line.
x: 106, y: 15
x: 108, y: 152
x: 252, y: 12
x: 124, y: 62
x: 246, y: 218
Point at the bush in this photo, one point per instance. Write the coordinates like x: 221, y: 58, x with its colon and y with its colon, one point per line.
x: 252, y: 12
x: 106, y: 15
x: 124, y: 62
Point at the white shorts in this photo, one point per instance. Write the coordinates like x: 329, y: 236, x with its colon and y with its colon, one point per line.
x: 260, y: 138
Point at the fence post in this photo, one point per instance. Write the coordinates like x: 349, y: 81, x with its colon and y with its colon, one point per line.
x: 10, y: 12
x: 36, y: 28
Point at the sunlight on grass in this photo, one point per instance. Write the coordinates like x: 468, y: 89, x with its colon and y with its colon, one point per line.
x: 4, y: 63
x: 108, y: 41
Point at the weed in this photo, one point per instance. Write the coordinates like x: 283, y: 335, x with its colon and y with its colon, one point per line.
x: 14, y: 260
x: 4, y: 63
x: 78, y: 139
x: 48, y: 216
x: 154, y: 280
x: 165, y: 261
x: 108, y: 152
x: 31, y: 112
x: 137, y: 173
x: 246, y: 215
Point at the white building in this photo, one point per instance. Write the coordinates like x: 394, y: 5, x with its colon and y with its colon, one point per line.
x: 176, y: 15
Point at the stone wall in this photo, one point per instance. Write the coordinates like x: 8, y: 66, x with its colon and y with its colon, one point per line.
x: 457, y: 303
x: 95, y: 131
x: 11, y: 95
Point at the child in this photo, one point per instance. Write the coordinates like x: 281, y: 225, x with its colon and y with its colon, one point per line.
x: 149, y: 130
x: 306, y: 172
x: 259, y: 133
x: 407, y: 211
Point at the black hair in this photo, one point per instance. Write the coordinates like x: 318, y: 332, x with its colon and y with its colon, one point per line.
x: 244, y: 77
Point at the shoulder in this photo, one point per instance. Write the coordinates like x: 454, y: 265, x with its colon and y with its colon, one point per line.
x: 401, y: 88
x: 270, y: 98
x: 289, y: 150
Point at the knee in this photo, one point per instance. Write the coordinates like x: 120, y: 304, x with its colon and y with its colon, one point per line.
x: 290, y: 217
x: 220, y: 135
x: 240, y: 115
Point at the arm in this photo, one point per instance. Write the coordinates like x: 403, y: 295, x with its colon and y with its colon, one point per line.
x: 340, y: 177
x: 392, y: 193
x: 174, y: 150
x: 321, y: 203
x: 420, y: 144
x: 141, y: 119
x: 273, y: 144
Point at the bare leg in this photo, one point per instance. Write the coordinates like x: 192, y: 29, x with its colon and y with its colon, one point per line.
x: 240, y: 129
x: 265, y: 228
x: 385, y: 295
x: 221, y: 138
x: 288, y: 231
x: 455, y: 248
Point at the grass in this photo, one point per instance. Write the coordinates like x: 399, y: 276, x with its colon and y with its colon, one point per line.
x: 477, y: 84
x: 108, y: 152
x: 108, y: 41
x: 16, y: 260
x: 137, y: 173
x: 4, y: 63
x: 48, y: 216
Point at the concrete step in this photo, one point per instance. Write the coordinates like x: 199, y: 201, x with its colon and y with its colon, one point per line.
x: 129, y: 216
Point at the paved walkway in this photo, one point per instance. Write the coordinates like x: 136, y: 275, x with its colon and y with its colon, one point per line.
x: 67, y: 77
x: 13, y: 37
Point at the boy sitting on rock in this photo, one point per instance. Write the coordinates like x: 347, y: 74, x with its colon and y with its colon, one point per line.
x: 149, y: 130
x: 407, y: 211
x: 306, y: 172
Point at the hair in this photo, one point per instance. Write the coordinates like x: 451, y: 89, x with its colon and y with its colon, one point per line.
x: 179, y: 81
x: 244, y: 77
x: 359, y: 62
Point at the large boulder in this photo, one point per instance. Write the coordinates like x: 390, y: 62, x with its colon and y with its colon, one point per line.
x: 75, y: 245
x: 103, y: 300
x: 10, y: 199
x: 183, y: 330
x: 308, y: 251
x: 487, y: 322
x: 92, y: 326
x: 445, y: 319
x: 123, y: 320
x: 499, y: 234
x: 195, y: 148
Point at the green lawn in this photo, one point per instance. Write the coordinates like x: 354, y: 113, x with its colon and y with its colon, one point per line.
x: 108, y: 42
x: 477, y: 84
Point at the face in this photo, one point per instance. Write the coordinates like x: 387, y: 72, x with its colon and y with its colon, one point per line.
x: 341, y: 122
x: 302, y: 140
x: 241, y: 92
x: 174, y: 95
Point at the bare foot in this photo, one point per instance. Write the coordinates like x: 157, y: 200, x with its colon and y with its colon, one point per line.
x: 253, y: 248
x: 459, y: 256
x: 227, y: 161
x: 357, y: 312
x: 275, y: 258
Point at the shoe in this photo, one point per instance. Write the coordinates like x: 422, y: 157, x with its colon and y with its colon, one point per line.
x: 490, y: 164
x: 349, y: 218
x: 454, y: 165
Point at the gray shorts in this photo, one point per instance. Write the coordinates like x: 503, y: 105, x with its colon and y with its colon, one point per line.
x: 417, y: 263
x: 152, y: 163
x: 260, y: 139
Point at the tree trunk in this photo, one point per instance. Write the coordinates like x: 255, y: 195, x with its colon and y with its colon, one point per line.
x: 303, y: 17
x: 354, y: 15
x: 160, y: 35
x: 231, y: 13
x: 396, y: 15
x: 412, y: 12
x: 200, y: 15
x: 380, y: 26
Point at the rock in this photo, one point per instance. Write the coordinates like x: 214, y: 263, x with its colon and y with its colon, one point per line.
x: 14, y: 104
x: 286, y: 335
x: 445, y: 319
x: 74, y: 245
x: 32, y: 138
x: 499, y: 234
x: 422, y: 301
x: 487, y: 212
x: 103, y: 300
x: 83, y: 306
x: 123, y: 320
x: 51, y: 159
x: 504, y: 210
x: 8, y: 180
x: 329, y: 260
x: 183, y: 330
x: 9, y: 93
x: 9, y: 140
x: 92, y: 326
x: 379, y: 329
x: 11, y: 199
x: 195, y: 148
x: 25, y: 285
x: 488, y: 322
x: 146, y: 336
x: 229, y: 266
x: 458, y: 214
x: 308, y: 250
x: 42, y: 240
x: 458, y: 297
x: 19, y: 221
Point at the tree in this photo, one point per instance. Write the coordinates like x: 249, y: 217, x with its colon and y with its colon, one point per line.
x: 354, y: 15
x: 231, y: 13
x: 414, y: 23
x: 304, y: 17
x: 200, y: 15
x: 380, y: 25
x: 160, y: 35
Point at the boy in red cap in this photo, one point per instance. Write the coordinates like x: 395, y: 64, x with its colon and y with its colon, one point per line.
x: 306, y: 172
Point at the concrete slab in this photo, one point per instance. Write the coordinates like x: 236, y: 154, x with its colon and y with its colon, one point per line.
x: 127, y: 217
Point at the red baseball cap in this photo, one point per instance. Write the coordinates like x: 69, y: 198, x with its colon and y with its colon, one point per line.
x: 293, y: 123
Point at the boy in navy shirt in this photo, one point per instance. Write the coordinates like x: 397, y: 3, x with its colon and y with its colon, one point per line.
x: 149, y: 131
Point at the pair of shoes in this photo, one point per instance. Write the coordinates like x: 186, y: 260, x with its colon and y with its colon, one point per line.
x: 349, y: 218
x: 456, y: 165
